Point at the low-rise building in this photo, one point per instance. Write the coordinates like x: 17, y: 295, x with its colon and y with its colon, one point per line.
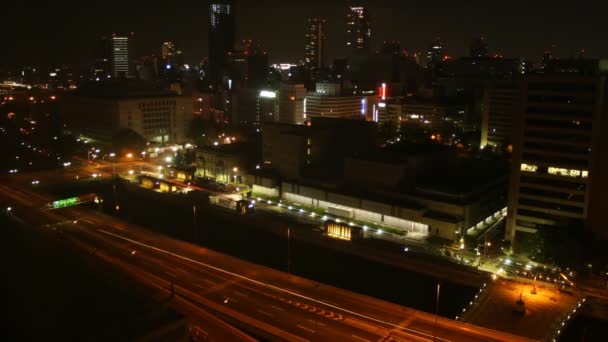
x: 442, y: 204
x: 226, y: 163
x: 100, y: 110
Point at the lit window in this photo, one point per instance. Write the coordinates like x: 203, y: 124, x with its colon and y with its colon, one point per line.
x: 529, y: 168
x: 558, y: 171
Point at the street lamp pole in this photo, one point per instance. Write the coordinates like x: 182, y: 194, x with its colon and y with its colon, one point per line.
x: 289, y: 250
x: 437, y: 310
x: 113, y: 155
x: 194, y: 223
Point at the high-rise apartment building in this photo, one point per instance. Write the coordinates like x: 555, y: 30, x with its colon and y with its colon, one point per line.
x: 559, y: 172
x: 221, y: 36
x: 315, y: 43
x: 358, y: 28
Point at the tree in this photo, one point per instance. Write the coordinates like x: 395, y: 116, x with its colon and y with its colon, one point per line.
x: 127, y: 140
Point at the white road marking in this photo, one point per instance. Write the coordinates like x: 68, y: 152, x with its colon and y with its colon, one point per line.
x: 265, y: 313
x: 277, y: 308
x: 360, y: 338
x: 305, y: 328
x: 208, y: 281
x: 316, y: 323
x: 273, y: 287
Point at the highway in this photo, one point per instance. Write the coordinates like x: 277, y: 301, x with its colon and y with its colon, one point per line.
x: 256, y: 299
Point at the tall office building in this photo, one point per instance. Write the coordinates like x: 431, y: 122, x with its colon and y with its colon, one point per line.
x: 102, y: 67
x: 390, y: 48
x: 314, y: 39
x: 498, y: 108
x: 435, y: 53
x: 221, y: 36
x: 559, y: 172
x: 478, y: 48
x: 248, y: 65
x: 358, y: 28
x: 168, y: 51
x: 120, y: 55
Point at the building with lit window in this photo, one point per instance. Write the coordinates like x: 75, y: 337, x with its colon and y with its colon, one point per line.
x: 327, y: 101
x: 559, y: 156
x: 478, y: 48
x: 100, y: 110
x: 120, y: 56
x: 291, y: 103
x: 267, y: 106
x: 247, y: 66
x: 435, y: 54
x: 221, y: 36
x: 226, y: 163
x: 168, y: 51
x: 314, y: 40
x: 358, y: 29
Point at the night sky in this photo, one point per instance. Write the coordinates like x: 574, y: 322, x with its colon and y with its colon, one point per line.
x: 66, y: 31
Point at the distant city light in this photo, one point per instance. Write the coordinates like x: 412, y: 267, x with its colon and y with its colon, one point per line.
x: 268, y: 94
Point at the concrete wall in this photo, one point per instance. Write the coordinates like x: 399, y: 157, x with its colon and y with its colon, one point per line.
x: 408, y: 219
x: 272, y: 192
x: 371, y: 173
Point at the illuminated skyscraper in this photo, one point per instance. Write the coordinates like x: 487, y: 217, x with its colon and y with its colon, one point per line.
x: 120, y: 55
x: 358, y: 28
x: 315, y: 43
x: 168, y: 51
x: 221, y: 36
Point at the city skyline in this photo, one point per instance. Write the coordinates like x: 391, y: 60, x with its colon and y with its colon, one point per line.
x: 51, y: 30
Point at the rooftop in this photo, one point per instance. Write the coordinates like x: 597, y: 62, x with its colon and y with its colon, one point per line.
x: 123, y: 89
x: 232, y: 148
x: 403, y: 152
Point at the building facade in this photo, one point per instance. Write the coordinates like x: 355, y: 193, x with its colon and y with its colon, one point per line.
x: 498, y: 111
x: 120, y: 56
x: 158, y: 116
x: 222, y: 27
x: 358, y: 29
x: 291, y: 103
x: 314, y: 40
x: 559, y: 168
